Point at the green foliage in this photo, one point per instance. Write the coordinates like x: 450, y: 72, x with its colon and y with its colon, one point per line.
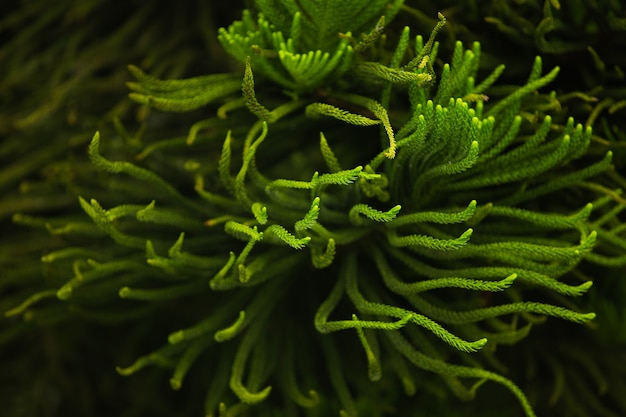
x: 178, y: 95
x: 297, y: 45
x: 441, y: 218
x: 587, y: 33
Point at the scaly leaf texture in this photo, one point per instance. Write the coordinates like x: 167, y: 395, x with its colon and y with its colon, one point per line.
x: 433, y: 249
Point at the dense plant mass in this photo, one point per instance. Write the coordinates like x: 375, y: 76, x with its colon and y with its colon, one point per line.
x: 341, y: 218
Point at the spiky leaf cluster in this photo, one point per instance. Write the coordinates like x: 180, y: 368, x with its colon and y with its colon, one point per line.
x: 297, y: 45
x: 588, y: 33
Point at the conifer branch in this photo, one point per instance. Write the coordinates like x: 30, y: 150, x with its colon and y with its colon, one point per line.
x: 310, y: 219
x: 249, y: 97
x: 413, y: 280
x: 236, y: 376
x: 185, y: 362
x: 373, y: 71
x: 232, y: 330
x: 404, y: 316
x: 134, y: 171
x: 276, y: 231
x: 329, y: 156
x: 33, y: 299
x: 321, y: 260
x: 374, y: 370
x: 101, y: 219
x: 429, y: 241
x: 426, y: 50
x: 376, y: 215
x: 323, y: 109
x: 458, y: 317
x: 436, y: 217
x: 395, y: 284
x: 434, y: 365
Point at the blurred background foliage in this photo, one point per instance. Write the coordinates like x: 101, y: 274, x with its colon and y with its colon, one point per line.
x: 63, y: 68
x: 62, y: 77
